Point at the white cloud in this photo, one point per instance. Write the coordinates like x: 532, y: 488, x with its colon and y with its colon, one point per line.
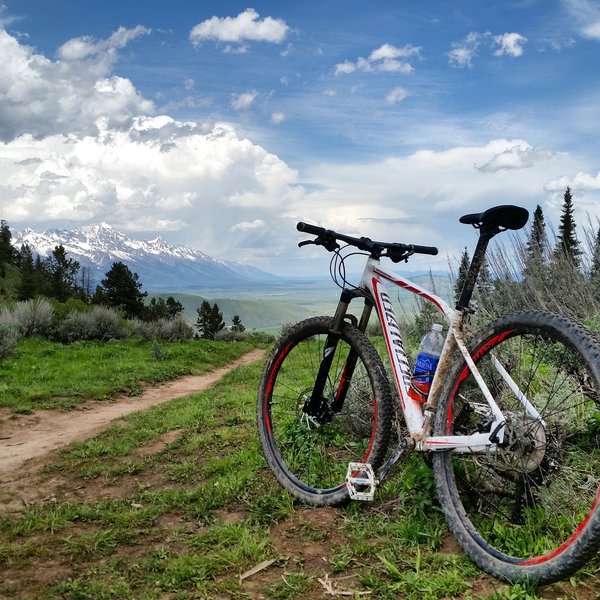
x: 518, y: 156
x: 581, y: 182
x: 247, y: 226
x: 44, y: 97
x: 80, y: 48
x: 159, y: 173
x: 277, y: 117
x: 244, y: 101
x: 385, y: 59
x: 397, y: 95
x: 463, y: 52
x: 418, y: 198
x: 587, y: 17
x: 245, y: 27
x: 510, y: 44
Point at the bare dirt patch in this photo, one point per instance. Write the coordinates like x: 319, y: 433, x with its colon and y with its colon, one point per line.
x: 27, y: 440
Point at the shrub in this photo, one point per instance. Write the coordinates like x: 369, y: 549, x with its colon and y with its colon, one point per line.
x: 257, y: 338
x: 229, y: 335
x: 29, y: 318
x: 170, y: 330
x: 100, y: 323
x: 9, y: 337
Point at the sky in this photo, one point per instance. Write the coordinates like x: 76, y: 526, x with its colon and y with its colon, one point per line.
x: 219, y: 125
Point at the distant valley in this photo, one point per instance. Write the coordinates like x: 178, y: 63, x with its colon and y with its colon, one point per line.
x: 262, y: 300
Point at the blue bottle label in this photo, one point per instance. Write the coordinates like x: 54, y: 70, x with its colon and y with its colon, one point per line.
x: 425, y: 368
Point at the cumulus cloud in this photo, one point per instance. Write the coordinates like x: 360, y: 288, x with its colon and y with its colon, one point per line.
x: 518, y: 156
x: 397, y: 95
x: 158, y: 174
x: 386, y: 58
x: 45, y: 97
x: 511, y: 44
x: 277, y: 117
x: 245, y: 27
x: 465, y: 51
x: 244, y: 101
x: 581, y: 182
x: 587, y: 17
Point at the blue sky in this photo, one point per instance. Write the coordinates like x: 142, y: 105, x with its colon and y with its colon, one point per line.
x: 220, y: 124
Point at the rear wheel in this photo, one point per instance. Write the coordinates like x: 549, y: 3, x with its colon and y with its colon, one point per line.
x: 528, y: 509
x: 309, y: 456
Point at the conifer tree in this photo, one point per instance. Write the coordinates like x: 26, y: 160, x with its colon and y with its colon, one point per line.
x: 538, y: 241
x: 7, y: 252
x: 62, y: 274
x: 210, y: 320
x: 536, y: 252
x: 29, y: 285
x: 463, y: 269
x: 237, y: 325
x: 122, y: 289
x: 567, y: 245
x: 174, y: 308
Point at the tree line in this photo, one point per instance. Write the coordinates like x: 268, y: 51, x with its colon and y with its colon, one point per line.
x: 59, y: 277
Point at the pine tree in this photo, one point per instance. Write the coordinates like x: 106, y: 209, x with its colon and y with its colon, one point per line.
x: 567, y: 245
x: 174, y: 308
x: 29, y: 285
x: 122, y: 289
x: 210, y: 320
x: 62, y: 273
x: 536, y: 251
x: 463, y: 269
x: 537, y: 245
x: 217, y: 320
x: 203, y: 322
x: 7, y: 252
x: 237, y: 325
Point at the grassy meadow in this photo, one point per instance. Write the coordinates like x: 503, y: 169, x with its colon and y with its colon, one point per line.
x: 177, y: 502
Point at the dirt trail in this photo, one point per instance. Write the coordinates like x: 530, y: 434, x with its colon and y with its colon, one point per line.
x: 27, y: 437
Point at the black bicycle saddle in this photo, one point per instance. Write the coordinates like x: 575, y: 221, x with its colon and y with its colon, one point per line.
x: 505, y: 216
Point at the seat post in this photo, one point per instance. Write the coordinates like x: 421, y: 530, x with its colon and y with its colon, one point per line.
x: 476, y: 263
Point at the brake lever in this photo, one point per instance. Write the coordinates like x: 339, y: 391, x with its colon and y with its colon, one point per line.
x: 329, y: 243
x: 396, y: 258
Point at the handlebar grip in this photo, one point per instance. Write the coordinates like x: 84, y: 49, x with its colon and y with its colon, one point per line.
x: 312, y: 229
x: 425, y: 250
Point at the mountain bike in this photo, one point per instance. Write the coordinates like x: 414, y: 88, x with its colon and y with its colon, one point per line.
x: 511, y: 424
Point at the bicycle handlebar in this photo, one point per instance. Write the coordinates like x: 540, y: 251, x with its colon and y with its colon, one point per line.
x: 395, y: 251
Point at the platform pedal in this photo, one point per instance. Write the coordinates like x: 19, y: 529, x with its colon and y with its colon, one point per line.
x: 361, y: 482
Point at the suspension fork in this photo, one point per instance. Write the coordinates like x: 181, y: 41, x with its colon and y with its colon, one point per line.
x: 316, y: 405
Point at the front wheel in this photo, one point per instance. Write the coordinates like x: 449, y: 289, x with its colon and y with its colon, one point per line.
x: 527, y: 509
x: 310, y: 456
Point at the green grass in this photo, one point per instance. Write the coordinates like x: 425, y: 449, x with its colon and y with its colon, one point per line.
x: 43, y: 374
x: 188, y: 519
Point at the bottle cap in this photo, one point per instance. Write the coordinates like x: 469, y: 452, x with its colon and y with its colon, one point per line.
x: 436, y: 327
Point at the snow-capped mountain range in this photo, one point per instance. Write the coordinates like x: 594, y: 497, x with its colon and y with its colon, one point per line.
x: 160, y: 266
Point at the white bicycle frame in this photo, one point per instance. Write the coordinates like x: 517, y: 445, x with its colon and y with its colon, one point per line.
x: 418, y: 417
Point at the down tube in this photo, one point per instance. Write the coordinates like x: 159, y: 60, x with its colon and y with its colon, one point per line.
x: 413, y: 414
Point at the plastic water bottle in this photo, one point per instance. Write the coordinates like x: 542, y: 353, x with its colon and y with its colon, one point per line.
x: 426, y: 364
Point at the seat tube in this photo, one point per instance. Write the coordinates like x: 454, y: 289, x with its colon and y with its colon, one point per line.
x: 473, y: 272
